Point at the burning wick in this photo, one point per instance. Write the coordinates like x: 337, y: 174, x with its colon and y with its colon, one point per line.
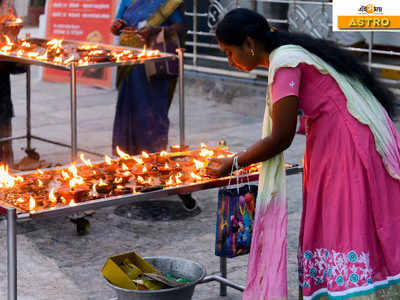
x: 65, y: 175
x: 195, y: 176
x: 86, y: 161
x: 198, y: 164
x: 52, y: 197
x: 170, y: 181
x: 32, y: 204
x: 178, y: 178
x: 138, y: 160
x: 102, y: 183
x: 118, y: 180
x: 108, y: 160
x: 122, y: 154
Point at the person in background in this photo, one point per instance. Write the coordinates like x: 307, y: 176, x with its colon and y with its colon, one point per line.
x: 6, y: 109
x: 6, y: 106
x: 141, y: 120
x: 348, y: 246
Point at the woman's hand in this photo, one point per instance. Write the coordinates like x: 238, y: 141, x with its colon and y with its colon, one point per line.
x: 219, y: 167
x: 148, y: 34
x: 117, y: 26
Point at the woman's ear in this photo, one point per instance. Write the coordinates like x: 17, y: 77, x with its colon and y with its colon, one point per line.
x: 250, y: 43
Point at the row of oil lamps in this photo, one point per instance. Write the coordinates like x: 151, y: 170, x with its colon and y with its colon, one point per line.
x: 113, y: 177
x: 54, y: 52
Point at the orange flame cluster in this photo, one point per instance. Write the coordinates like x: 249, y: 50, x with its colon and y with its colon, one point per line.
x: 6, y: 180
x: 129, y: 172
x: 54, y: 52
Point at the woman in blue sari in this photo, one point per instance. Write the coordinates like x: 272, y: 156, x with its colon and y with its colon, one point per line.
x: 141, y: 120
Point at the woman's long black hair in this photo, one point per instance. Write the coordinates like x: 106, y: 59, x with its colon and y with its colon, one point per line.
x: 240, y: 23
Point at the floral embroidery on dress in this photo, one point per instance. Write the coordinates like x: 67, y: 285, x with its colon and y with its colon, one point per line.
x: 333, y: 269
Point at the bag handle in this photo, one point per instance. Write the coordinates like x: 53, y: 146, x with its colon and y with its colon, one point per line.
x: 235, y: 165
x: 248, y: 179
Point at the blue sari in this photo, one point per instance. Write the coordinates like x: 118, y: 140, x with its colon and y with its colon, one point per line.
x: 141, y: 120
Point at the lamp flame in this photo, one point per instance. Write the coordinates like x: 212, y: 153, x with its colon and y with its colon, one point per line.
x: 75, y: 181
x: 32, y: 204
x: 170, y: 181
x: 138, y: 160
x: 195, y: 176
x: 178, y: 178
x: 206, y: 153
x: 73, y: 170
x: 86, y: 161
x: 6, y: 180
x: 52, y: 197
x: 198, y: 164
x: 108, y: 160
x: 118, y: 180
x: 140, y: 179
x: 102, y: 183
x: 122, y: 154
x: 65, y: 175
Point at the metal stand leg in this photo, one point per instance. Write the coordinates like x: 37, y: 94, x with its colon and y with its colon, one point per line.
x: 12, y: 253
x: 195, y: 31
x: 224, y: 274
x: 28, y: 108
x: 371, y: 42
x: 181, y: 99
x: 74, y: 133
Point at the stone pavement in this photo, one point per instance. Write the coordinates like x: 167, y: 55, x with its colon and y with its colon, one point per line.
x: 55, y: 263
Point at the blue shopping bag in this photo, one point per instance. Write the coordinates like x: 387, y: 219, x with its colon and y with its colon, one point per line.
x: 235, y: 217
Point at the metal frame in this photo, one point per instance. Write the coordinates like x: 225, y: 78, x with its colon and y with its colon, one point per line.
x: 14, y: 215
x: 73, y: 68
x: 259, y: 74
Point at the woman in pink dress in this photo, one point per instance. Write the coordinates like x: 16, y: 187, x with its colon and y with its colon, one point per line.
x: 348, y: 244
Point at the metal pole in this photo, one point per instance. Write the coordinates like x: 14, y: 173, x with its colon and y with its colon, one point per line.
x: 74, y: 132
x: 253, y: 4
x: 28, y: 107
x: 181, y: 99
x: 371, y: 42
x: 12, y: 253
x: 229, y: 283
x: 224, y: 274
x: 195, y: 32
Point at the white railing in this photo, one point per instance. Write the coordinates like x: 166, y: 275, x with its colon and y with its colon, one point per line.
x: 203, y: 53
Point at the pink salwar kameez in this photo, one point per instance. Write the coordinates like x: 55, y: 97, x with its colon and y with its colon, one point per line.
x: 349, y: 243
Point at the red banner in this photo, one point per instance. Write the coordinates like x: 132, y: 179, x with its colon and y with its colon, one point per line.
x: 81, y: 20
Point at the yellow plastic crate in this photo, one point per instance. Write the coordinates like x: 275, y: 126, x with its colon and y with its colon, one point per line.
x: 113, y: 270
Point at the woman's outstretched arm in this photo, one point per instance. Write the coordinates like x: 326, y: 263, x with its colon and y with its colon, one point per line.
x: 284, y: 120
